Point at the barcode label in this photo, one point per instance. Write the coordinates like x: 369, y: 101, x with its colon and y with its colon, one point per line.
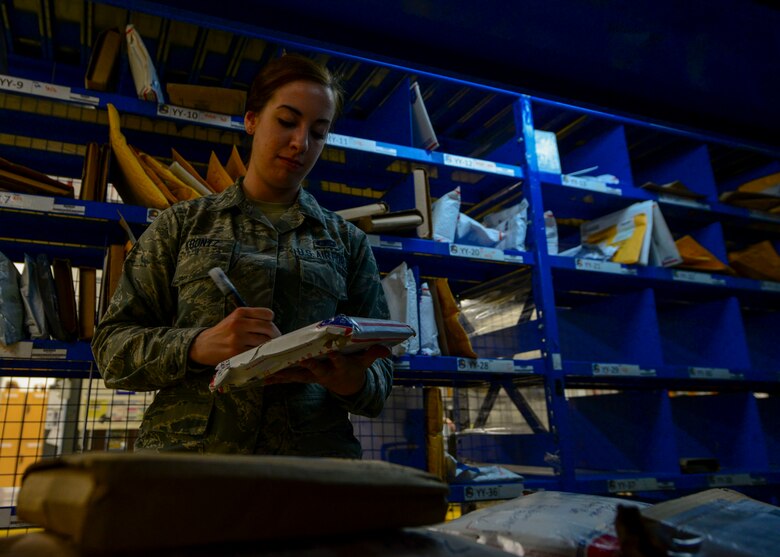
x: 484, y: 364
x: 701, y: 278
x: 476, y: 252
x: 478, y: 164
x: 603, y: 267
x: 349, y: 142
x: 489, y: 492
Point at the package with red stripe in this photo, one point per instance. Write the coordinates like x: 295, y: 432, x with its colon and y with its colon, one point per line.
x: 337, y: 334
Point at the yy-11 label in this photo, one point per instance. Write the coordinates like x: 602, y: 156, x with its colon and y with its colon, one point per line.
x: 359, y: 144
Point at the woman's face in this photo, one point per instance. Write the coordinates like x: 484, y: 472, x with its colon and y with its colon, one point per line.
x: 288, y: 137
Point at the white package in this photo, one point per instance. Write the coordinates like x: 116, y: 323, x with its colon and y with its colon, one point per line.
x: 147, y: 86
x: 512, y: 222
x: 429, y: 332
x: 473, y: 233
x: 400, y: 290
x: 445, y: 211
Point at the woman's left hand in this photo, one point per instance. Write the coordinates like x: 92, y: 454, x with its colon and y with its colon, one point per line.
x: 341, y: 374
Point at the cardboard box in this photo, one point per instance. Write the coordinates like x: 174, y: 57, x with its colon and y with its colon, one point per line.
x: 210, y: 99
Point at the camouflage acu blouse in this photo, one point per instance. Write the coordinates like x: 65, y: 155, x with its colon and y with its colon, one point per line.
x: 310, y: 266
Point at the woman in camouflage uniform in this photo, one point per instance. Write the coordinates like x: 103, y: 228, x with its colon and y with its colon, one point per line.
x: 293, y: 261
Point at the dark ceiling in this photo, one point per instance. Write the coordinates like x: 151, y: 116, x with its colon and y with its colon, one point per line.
x: 711, y: 66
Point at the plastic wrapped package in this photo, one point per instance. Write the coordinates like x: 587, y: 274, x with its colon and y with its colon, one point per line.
x: 147, y: 85
x: 34, y: 313
x: 400, y: 289
x: 545, y: 524
x: 11, y: 305
x: 429, y: 332
x: 444, y: 213
x: 512, y: 223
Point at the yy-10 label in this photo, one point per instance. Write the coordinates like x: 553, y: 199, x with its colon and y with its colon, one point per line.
x: 197, y: 116
x: 477, y: 164
x: 486, y: 365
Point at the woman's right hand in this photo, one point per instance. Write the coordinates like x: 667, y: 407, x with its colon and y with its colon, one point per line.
x: 244, y: 328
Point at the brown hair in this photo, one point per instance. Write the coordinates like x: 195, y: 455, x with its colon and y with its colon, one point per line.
x: 286, y: 69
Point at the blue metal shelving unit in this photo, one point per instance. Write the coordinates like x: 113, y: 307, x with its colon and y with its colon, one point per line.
x: 648, y: 335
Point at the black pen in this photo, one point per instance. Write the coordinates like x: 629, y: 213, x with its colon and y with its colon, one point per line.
x: 225, y: 286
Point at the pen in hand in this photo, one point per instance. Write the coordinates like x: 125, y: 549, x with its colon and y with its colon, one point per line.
x: 225, y: 286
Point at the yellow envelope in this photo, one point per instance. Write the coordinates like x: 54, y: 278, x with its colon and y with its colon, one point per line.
x: 235, y: 166
x: 759, y: 261
x: 140, y: 189
x: 628, y: 235
x: 697, y: 257
x: 217, y: 176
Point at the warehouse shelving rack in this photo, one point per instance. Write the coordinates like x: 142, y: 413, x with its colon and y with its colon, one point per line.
x: 644, y: 370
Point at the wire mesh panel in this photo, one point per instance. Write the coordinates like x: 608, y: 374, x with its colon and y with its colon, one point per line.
x: 48, y: 417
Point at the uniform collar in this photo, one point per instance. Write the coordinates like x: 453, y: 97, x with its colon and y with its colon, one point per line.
x: 234, y: 196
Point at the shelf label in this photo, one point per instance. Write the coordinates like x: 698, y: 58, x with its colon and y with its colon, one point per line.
x: 518, y: 368
x: 489, y: 492
x: 197, y: 116
x: 723, y: 480
x: 603, y: 266
x: 42, y: 89
x: 683, y: 201
x: 700, y: 278
x: 621, y: 370
x: 762, y: 215
x: 557, y: 361
x: 589, y: 184
x: 18, y: 350
x: 477, y: 164
x: 5, y: 517
x: 402, y: 364
x: 22, y: 201
x: 486, y: 364
x: 638, y: 484
x: 377, y: 242
x: 512, y: 258
x: 712, y: 373
x: 68, y: 209
x: 349, y: 142
x: 476, y: 252
x: 770, y: 286
x: 49, y: 354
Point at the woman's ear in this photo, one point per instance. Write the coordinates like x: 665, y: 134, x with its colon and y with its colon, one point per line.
x: 250, y: 119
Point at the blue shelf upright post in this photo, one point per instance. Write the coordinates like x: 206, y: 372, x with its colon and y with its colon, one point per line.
x: 554, y: 380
